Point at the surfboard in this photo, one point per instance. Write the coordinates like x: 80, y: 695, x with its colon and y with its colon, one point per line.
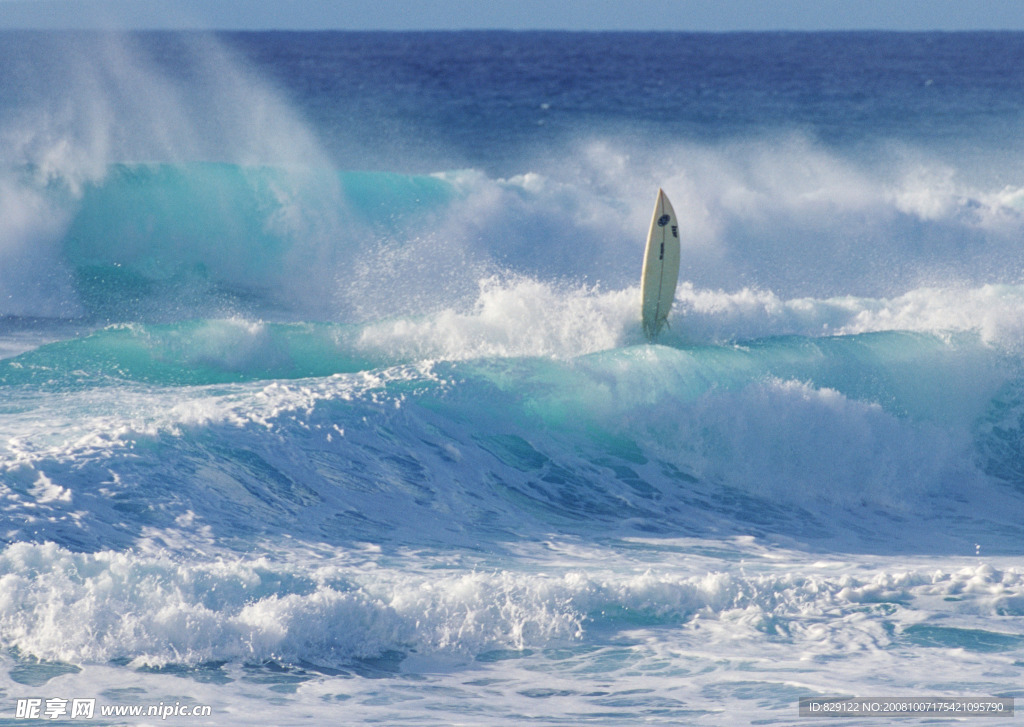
x: 661, y: 268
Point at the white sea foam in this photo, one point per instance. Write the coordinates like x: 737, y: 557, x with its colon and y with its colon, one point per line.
x: 518, y: 317
x: 993, y: 312
x: 153, y: 609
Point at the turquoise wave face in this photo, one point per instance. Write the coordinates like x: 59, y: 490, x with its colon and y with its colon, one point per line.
x: 907, y: 374
x: 787, y: 437
x: 208, y: 236
x: 190, y: 353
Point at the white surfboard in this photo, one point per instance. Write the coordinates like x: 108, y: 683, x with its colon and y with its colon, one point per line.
x: 661, y: 267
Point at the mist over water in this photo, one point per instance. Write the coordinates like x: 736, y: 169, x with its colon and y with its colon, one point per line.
x: 167, y: 155
x: 322, y: 362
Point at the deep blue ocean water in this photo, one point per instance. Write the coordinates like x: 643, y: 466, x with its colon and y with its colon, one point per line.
x: 324, y: 397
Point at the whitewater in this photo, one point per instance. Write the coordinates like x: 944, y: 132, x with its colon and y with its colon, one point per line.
x: 324, y: 397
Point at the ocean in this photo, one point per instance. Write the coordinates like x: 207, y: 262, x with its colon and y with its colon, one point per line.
x: 324, y: 397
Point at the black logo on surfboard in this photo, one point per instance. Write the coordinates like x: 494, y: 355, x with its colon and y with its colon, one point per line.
x: 663, y: 220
